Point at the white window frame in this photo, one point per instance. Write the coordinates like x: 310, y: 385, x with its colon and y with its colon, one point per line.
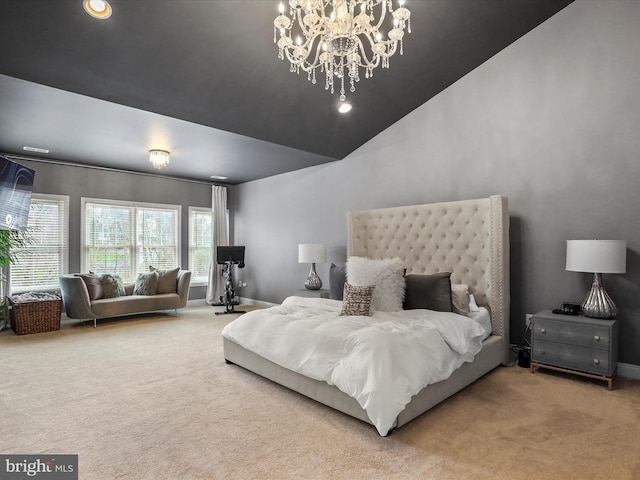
x: 134, y: 205
x: 64, y: 254
x: 195, y: 280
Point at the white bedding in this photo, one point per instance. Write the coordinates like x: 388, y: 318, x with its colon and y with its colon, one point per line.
x: 381, y: 361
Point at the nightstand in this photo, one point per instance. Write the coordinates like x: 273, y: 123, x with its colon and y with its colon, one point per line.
x: 575, y: 344
x: 305, y: 292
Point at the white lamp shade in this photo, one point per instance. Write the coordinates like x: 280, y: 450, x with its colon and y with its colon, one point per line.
x: 597, y: 256
x: 312, y: 253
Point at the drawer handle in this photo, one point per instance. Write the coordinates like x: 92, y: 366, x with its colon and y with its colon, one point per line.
x: 596, y: 338
x: 596, y: 361
x: 542, y: 351
x: 542, y: 330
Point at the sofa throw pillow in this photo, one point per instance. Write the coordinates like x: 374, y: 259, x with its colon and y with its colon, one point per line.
x: 146, y: 284
x: 167, y: 280
x: 112, y: 285
x: 337, y: 279
x: 94, y: 286
x: 357, y: 300
x: 460, y: 299
x: 432, y: 292
x: 386, y: 274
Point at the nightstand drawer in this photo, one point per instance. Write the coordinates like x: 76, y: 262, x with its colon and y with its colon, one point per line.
x: 592, y: 336
x: 572, y: 357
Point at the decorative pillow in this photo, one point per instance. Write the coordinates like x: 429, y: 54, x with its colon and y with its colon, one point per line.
x: 167, y: 280
x: 432, y: 292
x: 473, y: 306
x: 460, y: 299
x: 337, y: 279
x: 386, y: 274
x: 94, y: 286
x: 112, y: 286
x: 146, y: 284
x: 357, y: 300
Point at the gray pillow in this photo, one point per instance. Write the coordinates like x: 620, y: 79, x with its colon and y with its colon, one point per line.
x: 93, y: 283
x: 432, y: 292
x: 112, y: 286
x: 146, y: 284
x: 167, y: 280
x: 337, y: 279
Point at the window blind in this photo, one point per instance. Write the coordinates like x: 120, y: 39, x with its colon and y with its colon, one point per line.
x: 45, y: 256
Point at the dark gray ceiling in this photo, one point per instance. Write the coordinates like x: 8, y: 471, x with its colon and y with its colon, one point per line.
x: 201, y: 78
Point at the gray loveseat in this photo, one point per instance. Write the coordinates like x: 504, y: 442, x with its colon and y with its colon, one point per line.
x: 78, y: 305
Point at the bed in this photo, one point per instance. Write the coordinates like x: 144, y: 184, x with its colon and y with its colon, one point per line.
x: 468, y: 238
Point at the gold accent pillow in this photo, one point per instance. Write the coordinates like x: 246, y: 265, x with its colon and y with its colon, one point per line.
x: 356, y: 300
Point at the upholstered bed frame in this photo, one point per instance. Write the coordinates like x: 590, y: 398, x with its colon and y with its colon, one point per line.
x: 468, y: 238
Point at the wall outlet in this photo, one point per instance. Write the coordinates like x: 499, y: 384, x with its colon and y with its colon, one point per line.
x: 527, y: 319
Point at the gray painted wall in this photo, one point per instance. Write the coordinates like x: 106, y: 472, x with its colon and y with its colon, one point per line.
x: 553, y: 122
x: 78, y: 182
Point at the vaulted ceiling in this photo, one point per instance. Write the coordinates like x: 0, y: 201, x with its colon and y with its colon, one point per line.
x: 201, y: 78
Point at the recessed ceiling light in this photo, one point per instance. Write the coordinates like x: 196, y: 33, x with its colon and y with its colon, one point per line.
x: 97, y: 8
x: 35, y: 149
x: 344, y: 107
x: 218, y: 177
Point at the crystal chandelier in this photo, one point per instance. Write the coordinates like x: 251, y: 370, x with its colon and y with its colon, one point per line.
x: 340, y: 37
x: 159, y: 158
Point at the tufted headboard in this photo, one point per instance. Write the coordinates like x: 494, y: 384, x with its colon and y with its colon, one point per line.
x: 469, y: 238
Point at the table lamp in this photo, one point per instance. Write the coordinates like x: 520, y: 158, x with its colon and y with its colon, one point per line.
x: 312, y: 253
x: 597, y: 257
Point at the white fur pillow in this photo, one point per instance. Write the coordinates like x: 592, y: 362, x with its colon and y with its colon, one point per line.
x: 386, y: 274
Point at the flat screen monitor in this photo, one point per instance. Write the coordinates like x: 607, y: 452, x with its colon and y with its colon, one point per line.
x: 230, y: 254
x: 16, y: 185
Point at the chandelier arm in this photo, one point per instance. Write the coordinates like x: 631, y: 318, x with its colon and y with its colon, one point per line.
x: 383, y: 14
x: 313, y: 65
x: 300, y: 24
x: 292, y: 59
x: 363, y: 55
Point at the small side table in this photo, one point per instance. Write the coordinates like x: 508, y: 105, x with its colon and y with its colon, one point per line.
x: 575, y: 344
x: 305, y: 292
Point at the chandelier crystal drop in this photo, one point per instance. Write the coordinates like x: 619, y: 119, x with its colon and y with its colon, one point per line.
x: 340, y: 37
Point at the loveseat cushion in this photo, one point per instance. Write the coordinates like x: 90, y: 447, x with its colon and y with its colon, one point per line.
x: 132, y: 304
x: 167, y: 280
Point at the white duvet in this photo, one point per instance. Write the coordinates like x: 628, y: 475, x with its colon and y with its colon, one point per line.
x: 381, y: 361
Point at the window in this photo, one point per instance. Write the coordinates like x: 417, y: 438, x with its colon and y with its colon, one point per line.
x: 125, y: 238
x: 200, y: 235
x: 45, y: 257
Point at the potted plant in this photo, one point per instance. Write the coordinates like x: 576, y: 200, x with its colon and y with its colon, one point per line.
x: 11, y: 244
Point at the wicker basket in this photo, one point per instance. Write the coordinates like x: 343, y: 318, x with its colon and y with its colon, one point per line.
x: 35, y: 317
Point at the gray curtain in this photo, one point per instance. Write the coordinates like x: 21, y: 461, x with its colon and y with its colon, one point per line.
x: 220, y: 237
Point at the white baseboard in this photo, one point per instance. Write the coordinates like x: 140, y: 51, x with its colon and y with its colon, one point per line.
x: 257, y: 303
x: 197, y: 302
x: 629, y: 370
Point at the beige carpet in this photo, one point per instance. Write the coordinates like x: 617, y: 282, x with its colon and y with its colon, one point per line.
x: 151, y: 398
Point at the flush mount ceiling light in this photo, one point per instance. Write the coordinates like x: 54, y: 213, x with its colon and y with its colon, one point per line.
x: 97, y: 8
x: 35, y: 149
x: 159, y: 158
x: 344, y: 107
x: 340, y: 37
